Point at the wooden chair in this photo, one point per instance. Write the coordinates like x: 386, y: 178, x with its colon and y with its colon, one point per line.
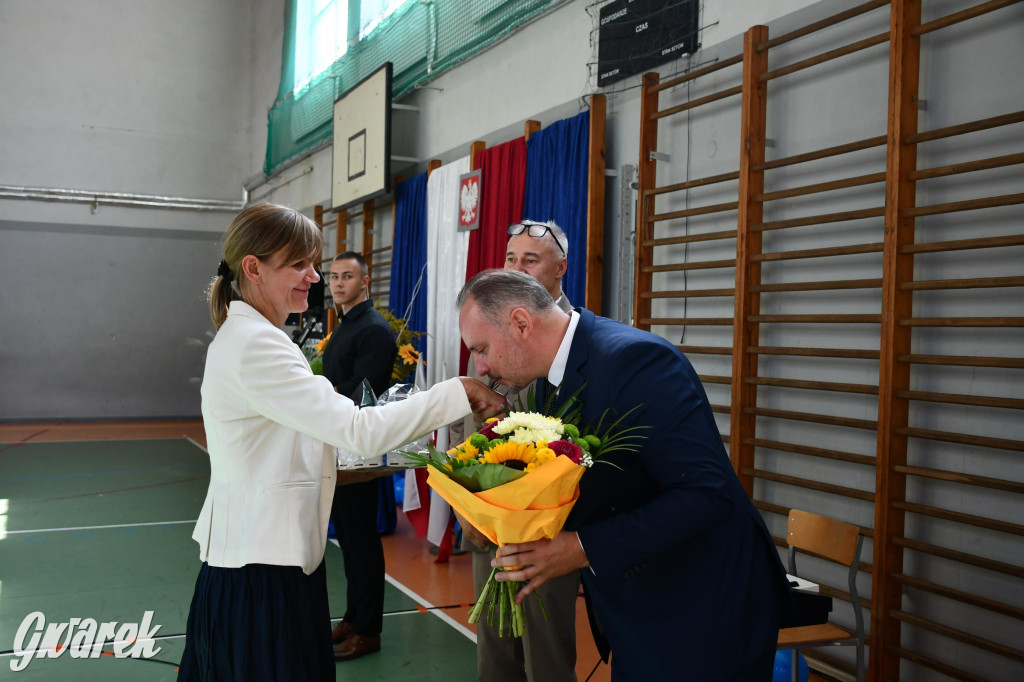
x: 839, y: 542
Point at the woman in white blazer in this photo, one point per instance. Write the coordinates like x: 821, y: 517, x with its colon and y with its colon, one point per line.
x: 260, y: 608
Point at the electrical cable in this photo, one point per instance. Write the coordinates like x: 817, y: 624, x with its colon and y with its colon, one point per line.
x: 598, y: 665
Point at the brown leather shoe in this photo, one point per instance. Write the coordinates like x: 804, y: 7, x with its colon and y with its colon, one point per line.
x: 341, y: 632
x: 356, y: 646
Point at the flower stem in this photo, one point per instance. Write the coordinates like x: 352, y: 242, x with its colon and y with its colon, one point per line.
x: 478, y: 607
x: 540, y: 605
x: 502, y: 610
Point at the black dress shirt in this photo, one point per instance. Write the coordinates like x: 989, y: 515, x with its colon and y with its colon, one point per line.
x: 362, y: 346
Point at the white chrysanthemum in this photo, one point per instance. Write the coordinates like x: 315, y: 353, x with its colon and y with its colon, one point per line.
x: 527, y: 435
x: 531, y: 421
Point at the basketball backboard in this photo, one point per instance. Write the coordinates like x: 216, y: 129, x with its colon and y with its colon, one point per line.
x: 362, y: 141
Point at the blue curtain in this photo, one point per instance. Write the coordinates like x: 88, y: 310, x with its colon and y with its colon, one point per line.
x: 556, y: 189
x: 409, y: 256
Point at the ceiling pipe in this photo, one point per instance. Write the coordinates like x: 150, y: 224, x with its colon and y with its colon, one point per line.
x: 97, y: 198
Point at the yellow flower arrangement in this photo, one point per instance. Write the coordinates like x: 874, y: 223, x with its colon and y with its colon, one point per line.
x: 408, y: 356
x: 516, y: 480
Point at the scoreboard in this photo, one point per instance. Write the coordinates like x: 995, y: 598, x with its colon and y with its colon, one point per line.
x: 635, y: 35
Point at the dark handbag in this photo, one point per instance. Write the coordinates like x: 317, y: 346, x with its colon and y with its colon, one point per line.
x: 805, y: 608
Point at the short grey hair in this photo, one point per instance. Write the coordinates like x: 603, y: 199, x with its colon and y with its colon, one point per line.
x: 557, y: 233
x: 497, y: 291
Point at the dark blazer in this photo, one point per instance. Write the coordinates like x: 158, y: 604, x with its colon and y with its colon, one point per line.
x: 684, y: 577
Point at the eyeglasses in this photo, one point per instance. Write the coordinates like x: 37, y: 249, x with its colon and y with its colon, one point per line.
x: 535, y: 230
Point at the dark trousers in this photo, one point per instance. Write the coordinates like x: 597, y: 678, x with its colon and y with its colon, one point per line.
x: 354, y: 514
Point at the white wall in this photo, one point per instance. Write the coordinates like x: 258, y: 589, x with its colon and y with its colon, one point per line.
x: 120, y: 96
x: 103, y: 308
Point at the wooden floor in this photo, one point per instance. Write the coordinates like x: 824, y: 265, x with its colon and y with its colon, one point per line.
x: 40, y: 432
x: 409, y: 561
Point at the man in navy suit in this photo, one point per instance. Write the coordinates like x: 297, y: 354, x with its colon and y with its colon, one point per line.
x: 680, y: 571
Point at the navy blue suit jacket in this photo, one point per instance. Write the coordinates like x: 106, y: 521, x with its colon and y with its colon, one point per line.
x: 684, y: 576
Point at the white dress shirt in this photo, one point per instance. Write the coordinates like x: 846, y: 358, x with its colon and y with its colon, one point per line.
x: 557, y: 370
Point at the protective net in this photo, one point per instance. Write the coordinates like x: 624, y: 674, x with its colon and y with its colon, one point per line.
x: 421, y: 40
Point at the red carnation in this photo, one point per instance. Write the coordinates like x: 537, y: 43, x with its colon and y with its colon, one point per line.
x: 488, y: 430
x: 567, y: 448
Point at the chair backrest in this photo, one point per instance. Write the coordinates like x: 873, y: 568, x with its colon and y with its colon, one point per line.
x: 835, y: 540
x: 823, y: 536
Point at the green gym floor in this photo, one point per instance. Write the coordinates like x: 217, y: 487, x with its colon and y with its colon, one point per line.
x: 102, y: 530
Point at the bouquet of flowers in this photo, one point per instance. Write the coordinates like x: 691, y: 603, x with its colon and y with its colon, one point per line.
x: 516, y: 480
x: 316, y: 355
x: 405, y: 362
x: 408, y: 356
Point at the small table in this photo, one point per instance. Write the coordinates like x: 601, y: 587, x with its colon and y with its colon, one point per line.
x: 361, y: 474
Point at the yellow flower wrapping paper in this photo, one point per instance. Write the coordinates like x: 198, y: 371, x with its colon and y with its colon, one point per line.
x: 529, y: 508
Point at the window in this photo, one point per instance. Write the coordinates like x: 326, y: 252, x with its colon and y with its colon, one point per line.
x: 322, y: 33
x: 373, y: 12
x: 321, y: 28
x: 331, y: 45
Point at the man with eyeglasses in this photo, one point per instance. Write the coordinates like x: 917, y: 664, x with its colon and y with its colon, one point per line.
x: 541, y: 250
x: 547, y: 652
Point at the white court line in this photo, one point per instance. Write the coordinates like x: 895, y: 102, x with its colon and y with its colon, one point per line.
x: 195, y: 443
x: 117, y: 525
x: 92, y: 647
x: 459, y: 627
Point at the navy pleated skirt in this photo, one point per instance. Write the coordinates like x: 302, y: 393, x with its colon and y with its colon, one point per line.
x: 257, y: 623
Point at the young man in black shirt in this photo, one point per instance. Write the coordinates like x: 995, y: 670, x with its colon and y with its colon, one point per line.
x: 361, y: 347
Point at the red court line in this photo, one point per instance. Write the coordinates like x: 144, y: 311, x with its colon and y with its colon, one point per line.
x: 22, y: 441
x: 117, y: 490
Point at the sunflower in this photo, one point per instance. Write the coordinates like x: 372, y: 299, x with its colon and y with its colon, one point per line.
x: 408, y: 354
x: 466, y: 452
x: 511, y: 454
